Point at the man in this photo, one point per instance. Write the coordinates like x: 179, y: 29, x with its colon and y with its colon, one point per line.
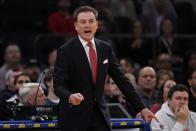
x: 10, y: 89
x: 192, y: 94
x: 174, y: 115
x: 61, y: 22
x: 80, y: 72
x: 29, y: 96
x: 146, y: 82
x: 12, y: 57
x: 19, y: 80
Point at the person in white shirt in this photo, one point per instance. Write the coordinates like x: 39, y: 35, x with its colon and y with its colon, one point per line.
x: 174, y: 114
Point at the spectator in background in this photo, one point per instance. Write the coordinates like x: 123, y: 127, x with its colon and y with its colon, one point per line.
x: 52, y: 99
x: 189, y: 64
x: 131, y: 79
x: 154, y: 11
x: 166, y: 38
x: 146, y: 88
x: 164, y: 75
x: 112, y: 92
x: 163, y: 62
x: 52, y: 58
x: 19, y: 80
x: 28, y: 95
x: 12, y: 57
x: 163, y: 95
x: 32, y: 68
x: 10, y: 89
x: 174, y: 114
x: 122, y: 8
x: 103, y: 31
x: 167, y: 43
x: 127, y: 65
x: 51, y: 61
x: 105, y: 14
x: 192, y: 94
x: 167, y: 85
x: 138, y: 48
x: 61, y: 22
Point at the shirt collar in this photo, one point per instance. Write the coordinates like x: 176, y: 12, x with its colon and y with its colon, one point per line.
x: 84, y: 43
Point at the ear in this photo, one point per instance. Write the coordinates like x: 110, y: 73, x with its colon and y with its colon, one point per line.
x: 97, y: 23
x: 30, y: 100
x: 169, y: 101
x: 75, y: 25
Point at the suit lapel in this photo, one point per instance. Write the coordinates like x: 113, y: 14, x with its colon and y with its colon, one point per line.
x: 83, y: 59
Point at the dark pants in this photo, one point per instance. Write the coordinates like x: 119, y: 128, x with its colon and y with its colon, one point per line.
x: 97, y: 123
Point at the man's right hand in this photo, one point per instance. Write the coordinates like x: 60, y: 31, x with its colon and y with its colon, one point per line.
x: 76, y: 98
x: 182, y: 114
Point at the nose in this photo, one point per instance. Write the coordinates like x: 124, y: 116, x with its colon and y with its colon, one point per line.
x: 149, y: 78
x: 87, y: 24
x: 182, y: 101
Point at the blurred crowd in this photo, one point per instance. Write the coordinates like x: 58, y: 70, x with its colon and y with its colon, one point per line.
x: 29, y: 81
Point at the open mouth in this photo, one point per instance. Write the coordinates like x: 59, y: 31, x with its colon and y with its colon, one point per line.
x: 87, y: 31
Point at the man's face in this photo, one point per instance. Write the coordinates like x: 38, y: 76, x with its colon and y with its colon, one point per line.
x: 40, y: 100
x: 86, y: 25
x: 164, y: 62
x: 179, y: 99
x: 147, y: 79
x: 192, y: 81
x: 10, y: 81
x: 167, y: 26
x: 12, y: 54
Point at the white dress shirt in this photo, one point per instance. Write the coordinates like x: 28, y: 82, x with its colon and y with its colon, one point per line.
x: 86, y: 47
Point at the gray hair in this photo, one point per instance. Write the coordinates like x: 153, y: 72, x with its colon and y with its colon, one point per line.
x: 26, y: 90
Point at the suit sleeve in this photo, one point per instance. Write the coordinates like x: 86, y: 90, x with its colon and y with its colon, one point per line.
x: 61, y: 76
x: 122, y: 82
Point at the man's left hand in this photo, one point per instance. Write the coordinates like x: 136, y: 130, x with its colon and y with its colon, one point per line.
x: 148, y: 115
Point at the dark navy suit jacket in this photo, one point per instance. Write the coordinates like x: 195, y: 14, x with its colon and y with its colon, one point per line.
x: 72, y: 74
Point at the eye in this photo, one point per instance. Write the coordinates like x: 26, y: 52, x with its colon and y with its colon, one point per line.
x: 22, y: 81
x: 185, y: 99
x: 178, y: 98
x: 82, y: 21
x: 91, y: 21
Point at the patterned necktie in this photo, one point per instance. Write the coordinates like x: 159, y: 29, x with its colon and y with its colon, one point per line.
x: 93, y: 61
